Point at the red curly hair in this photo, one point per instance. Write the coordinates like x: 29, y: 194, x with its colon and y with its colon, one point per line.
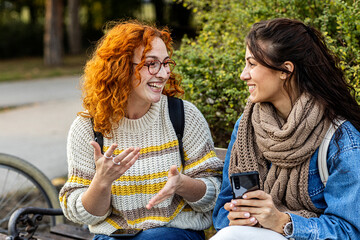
x: 107, y: 76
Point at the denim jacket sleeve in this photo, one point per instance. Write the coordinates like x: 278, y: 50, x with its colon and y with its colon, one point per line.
x: 220, y: 219
x: 341, y: 217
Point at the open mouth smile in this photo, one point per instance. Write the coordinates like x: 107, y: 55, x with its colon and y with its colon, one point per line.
x: 155, y: 85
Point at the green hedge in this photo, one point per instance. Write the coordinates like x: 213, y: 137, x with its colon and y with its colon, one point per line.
x: 212, y: 63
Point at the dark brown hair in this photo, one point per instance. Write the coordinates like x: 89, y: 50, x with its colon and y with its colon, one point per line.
x: 316, y: 69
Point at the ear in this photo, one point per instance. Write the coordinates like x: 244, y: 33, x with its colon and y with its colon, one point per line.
x: 290, y: 67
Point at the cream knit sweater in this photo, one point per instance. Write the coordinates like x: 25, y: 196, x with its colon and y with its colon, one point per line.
x: 156, y: 137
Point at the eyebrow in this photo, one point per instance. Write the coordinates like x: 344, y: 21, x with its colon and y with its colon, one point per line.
x: 250, y: 57
x: 155, y: 57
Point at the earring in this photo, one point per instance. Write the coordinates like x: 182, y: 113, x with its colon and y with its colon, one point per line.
x: 283, y: 76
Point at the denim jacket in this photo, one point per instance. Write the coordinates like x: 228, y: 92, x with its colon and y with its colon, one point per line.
x: 340, y: 199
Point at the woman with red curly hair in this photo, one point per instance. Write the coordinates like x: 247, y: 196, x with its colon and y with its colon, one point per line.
x: 137, y: 180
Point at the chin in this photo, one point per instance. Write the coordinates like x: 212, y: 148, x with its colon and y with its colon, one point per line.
x: 253, y: 99
x: 155, y: 99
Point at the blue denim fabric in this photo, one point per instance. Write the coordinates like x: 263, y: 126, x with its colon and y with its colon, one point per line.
x: 339, y: 199
x: 163, y: 233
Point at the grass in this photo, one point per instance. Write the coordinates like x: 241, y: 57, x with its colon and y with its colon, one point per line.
x: 33, y: 67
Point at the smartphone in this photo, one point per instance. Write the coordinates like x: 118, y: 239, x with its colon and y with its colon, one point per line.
x: 244, y: 182
x: 125, y: 233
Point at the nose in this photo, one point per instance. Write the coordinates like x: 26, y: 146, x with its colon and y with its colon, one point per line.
x: 245, y: 75
x: 163, y: 73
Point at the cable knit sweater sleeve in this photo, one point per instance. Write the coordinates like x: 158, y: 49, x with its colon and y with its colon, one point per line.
x: 80, y: 163
x: 201, y: 161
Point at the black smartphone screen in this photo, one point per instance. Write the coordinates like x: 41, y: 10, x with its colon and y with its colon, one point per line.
x: 244, y: 182
x: 123, y: 233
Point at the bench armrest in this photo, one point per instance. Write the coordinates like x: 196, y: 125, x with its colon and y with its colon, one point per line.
x: 24, y: 222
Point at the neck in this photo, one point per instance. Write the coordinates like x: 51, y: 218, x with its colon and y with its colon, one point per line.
x: 136, y: 110
x: 284, y: 105
x: 283, y: 110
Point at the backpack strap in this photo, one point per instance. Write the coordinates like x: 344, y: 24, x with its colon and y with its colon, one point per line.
x: 322, y: 155
x: 177, y: 117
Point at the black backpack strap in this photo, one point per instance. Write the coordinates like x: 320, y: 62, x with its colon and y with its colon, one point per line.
x: 98, y: 138
x: 177, y: 117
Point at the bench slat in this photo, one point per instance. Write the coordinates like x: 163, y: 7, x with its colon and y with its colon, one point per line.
x: 221, y: 153
x: 74, y: 232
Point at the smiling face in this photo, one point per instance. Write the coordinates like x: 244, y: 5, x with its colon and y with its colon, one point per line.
x: 151, y: 86
x: 265, y: 84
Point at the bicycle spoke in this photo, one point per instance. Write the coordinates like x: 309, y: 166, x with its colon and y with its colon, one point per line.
x: 19, y: 203
x: 23, y: 185
x: 18, y: 191
x: 3, y: 188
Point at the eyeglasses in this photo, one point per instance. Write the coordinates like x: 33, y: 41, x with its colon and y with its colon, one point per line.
x: 155, y: 65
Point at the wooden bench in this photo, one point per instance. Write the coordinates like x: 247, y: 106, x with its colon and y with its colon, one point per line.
x: 30, y: 217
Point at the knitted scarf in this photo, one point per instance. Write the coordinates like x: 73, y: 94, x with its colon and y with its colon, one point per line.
x: 264, y: 138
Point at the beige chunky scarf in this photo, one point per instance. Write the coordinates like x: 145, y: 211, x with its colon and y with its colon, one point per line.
x: 264, y: 138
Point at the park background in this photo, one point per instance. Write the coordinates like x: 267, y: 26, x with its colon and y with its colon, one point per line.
x: 44, y: 38
x: 49, y: 39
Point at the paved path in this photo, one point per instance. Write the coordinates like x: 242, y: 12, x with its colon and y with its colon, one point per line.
x: 35, y: 126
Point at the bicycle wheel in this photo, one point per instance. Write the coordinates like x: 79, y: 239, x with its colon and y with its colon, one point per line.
x: 23, y: 185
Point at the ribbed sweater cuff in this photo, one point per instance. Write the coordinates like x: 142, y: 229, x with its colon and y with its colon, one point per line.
x: 207, y: 202
x: 86, y: 217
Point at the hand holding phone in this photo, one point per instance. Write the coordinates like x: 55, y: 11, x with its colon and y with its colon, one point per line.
x: 244, y: 182
x: 125, y: 233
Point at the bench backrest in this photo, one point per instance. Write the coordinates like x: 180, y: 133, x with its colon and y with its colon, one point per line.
x: 221, y: 153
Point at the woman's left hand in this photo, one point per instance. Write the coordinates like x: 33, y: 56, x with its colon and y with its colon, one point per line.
x: 174, y: 182
x: 261, y: 206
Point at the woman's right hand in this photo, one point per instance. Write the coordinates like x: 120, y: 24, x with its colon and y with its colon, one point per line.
x: 106, y: 172
x: 110, y: 168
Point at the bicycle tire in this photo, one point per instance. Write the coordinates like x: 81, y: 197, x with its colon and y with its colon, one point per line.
x: 27, y: 171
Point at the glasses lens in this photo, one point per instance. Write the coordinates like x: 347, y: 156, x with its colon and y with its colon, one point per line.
x: 170, y: 64
x: 154, y: 66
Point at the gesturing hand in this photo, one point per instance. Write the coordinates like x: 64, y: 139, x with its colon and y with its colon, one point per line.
x: 173, y: 183
x: 110, y: 168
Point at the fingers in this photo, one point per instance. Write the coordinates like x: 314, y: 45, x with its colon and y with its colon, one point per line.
x: 158, y: 198
x: 240, y: 218
x: 173, y: 171
x: 243, y: 221
x: 255, y: 207
x: 97, y: 150
x: 258, y: 194
x: 128, y: 156
x: 110, y: 151
x: 168, y: 190
x: 228, y: 207
x: 162, y: 195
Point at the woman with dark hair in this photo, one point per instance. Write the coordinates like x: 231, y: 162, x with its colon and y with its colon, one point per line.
x: 297, y: 91
x: 139, y: 182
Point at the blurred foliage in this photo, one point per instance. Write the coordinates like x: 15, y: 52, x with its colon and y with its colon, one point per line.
x: 22, y: 22
x: 211, y: 63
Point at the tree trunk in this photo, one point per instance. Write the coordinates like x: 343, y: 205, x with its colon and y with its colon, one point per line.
x: 159, y: 11
x: 53, y: 36
x: 74, y: 30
